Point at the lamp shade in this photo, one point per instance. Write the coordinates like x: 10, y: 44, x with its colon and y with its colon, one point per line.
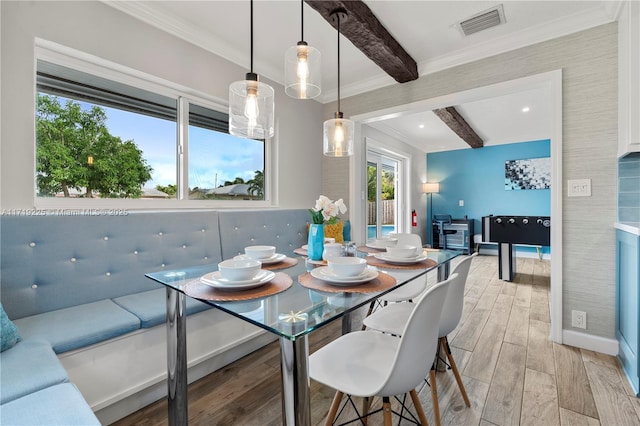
x: 431, y: 187
x: 302, y: 65
x: 337, y: 137
x: 251, y: 108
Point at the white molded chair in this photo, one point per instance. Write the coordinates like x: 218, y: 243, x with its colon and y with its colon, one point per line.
x: 392, y: 318
x: 368, y: 364
x: 410, y: 290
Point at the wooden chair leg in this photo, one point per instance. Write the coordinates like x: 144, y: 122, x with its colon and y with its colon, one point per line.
x: 371, y: 306
x: 418, y: 406
x: 434, y: 395
x: 445, y: 345
x: 386, y: 410
x: 334, y: 408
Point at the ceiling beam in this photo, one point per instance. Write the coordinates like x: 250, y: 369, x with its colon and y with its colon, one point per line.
x: 460, y: 127
x: 368, y: 34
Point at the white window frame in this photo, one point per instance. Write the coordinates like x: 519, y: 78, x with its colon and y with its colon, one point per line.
x: 64, y: 56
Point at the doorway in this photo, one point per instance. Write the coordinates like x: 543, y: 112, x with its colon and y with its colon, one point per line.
x: 551, y: 82
x: 384, y: 194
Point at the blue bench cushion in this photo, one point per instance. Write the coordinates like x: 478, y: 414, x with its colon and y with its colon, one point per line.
x: 28, y: 367
x: 56, y: 405
x: 151, y: 306
x: 79, y: 326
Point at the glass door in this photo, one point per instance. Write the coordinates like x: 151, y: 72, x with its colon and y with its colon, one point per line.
x: 383, y: 206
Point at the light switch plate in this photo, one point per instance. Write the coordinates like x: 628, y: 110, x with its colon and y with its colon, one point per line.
x: 579, y: 188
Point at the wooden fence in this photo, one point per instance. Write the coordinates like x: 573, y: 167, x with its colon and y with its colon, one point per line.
x: 388, y: 212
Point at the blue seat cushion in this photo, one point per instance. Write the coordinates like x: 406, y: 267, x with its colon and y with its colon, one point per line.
x: 28, y: 367
x: 151, y: 306
x: 8, y: 332
x: 79, y: 326
x: 56, y: 405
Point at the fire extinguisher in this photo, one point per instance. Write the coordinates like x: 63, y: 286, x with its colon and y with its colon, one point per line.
x: 414, y: 218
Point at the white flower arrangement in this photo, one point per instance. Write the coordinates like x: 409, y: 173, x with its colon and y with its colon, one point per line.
x: 327, y: 211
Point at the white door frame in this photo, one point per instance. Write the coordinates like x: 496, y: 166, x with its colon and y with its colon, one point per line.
x: 551, y: 81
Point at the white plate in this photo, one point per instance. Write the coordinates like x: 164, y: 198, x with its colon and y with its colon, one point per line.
x: 305, y: 247
x: 323, y: 273
x: 273, y: 259
x: 375, y: 246
x: 215, y: 280
x: 400, y: 260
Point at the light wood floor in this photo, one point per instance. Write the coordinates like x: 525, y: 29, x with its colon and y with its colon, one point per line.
x: 513, y: 374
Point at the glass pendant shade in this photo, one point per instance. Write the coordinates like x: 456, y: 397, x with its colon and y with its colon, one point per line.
x: 302, y: 65
x: 251, y: 108
x: 338, y: 136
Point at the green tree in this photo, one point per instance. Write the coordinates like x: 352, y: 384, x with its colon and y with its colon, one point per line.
x: 169, y: 189
x: 387, y: 179
x: 76, y: 150
x: 256, y: 185
x: 233, y: 182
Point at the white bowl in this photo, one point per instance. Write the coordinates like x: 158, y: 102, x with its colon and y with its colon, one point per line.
x: 346, y: 266
x: 260, y: 252
x: 386, y: 242
x: 332, y: 250
x: 402, y: 251
x: 239, y: 270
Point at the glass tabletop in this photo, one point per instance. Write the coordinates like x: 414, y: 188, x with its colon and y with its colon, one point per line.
x: 298, y: 310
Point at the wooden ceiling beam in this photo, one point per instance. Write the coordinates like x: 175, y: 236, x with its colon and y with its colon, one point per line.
x: 452, y: 118
x: 368, y: 34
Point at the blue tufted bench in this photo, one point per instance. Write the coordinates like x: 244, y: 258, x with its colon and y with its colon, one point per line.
x: 76, y: 284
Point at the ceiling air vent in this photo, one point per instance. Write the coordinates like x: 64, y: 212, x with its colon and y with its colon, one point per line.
x: 482, y: 21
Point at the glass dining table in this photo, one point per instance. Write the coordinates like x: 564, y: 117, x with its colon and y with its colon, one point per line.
x: 292, y: 312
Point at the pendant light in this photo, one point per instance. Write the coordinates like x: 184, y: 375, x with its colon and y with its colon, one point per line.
x: 251, y: 104
x: 302, y: 67
x: 338, y: 132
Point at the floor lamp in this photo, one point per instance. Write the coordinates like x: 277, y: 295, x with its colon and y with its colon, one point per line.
x: 430, y: 188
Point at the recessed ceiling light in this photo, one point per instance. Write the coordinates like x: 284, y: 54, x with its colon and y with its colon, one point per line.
x: 421, y: 126
x: 526, y: 109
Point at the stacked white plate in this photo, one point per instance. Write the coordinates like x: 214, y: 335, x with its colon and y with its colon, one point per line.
x: 215, y: 280
x: 400, y: 260
x: 267, y: 261
x: 324, y: 273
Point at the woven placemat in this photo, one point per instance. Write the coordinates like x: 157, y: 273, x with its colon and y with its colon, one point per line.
x: 288, y: 262
x: 382, y: 282
x: 425, y: 264
x: 200, y: 290
x: 365, y: 249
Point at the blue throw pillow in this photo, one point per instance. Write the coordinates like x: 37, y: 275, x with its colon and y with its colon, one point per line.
x: 9, y: 332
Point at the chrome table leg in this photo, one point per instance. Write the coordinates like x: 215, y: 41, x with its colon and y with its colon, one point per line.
x: 296, y: 400
x: 176, y: 358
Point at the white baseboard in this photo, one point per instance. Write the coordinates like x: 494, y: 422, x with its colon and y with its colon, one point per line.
x: 590, y: 342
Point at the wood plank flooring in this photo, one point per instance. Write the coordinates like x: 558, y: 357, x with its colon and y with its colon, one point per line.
x: 513, y: 374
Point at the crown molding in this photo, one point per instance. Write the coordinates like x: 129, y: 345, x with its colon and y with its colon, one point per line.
x: 608, y: 12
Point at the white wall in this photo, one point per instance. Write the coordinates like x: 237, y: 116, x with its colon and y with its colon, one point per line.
x: 102, y: 31
x: 588, y: 60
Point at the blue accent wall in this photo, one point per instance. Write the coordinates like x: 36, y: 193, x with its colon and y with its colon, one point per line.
x: 477, y: 177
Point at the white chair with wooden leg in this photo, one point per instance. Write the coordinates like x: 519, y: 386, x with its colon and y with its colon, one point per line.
x: 369, y: 364
x: 392, y: 318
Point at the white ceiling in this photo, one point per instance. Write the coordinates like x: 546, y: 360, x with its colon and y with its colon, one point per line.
x: 426, y: 29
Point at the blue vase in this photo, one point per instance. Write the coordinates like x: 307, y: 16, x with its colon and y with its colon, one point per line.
x: 316, y: 241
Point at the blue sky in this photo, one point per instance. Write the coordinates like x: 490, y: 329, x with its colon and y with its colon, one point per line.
x: 213, y: 157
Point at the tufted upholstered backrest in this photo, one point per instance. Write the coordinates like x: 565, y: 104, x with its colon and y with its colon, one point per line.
x: 53, y: 262
x: 284, y: 229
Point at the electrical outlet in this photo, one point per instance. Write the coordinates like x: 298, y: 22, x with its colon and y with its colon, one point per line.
x: 579, y: 319
x: 461, y: 203
x: 579, y: 188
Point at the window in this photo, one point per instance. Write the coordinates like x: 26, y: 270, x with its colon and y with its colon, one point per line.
x: 99, y: 138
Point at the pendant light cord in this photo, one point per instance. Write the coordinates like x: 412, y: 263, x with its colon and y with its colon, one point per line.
x: 338, y: 16
x: 251, y: 9
x: 301, y: 20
